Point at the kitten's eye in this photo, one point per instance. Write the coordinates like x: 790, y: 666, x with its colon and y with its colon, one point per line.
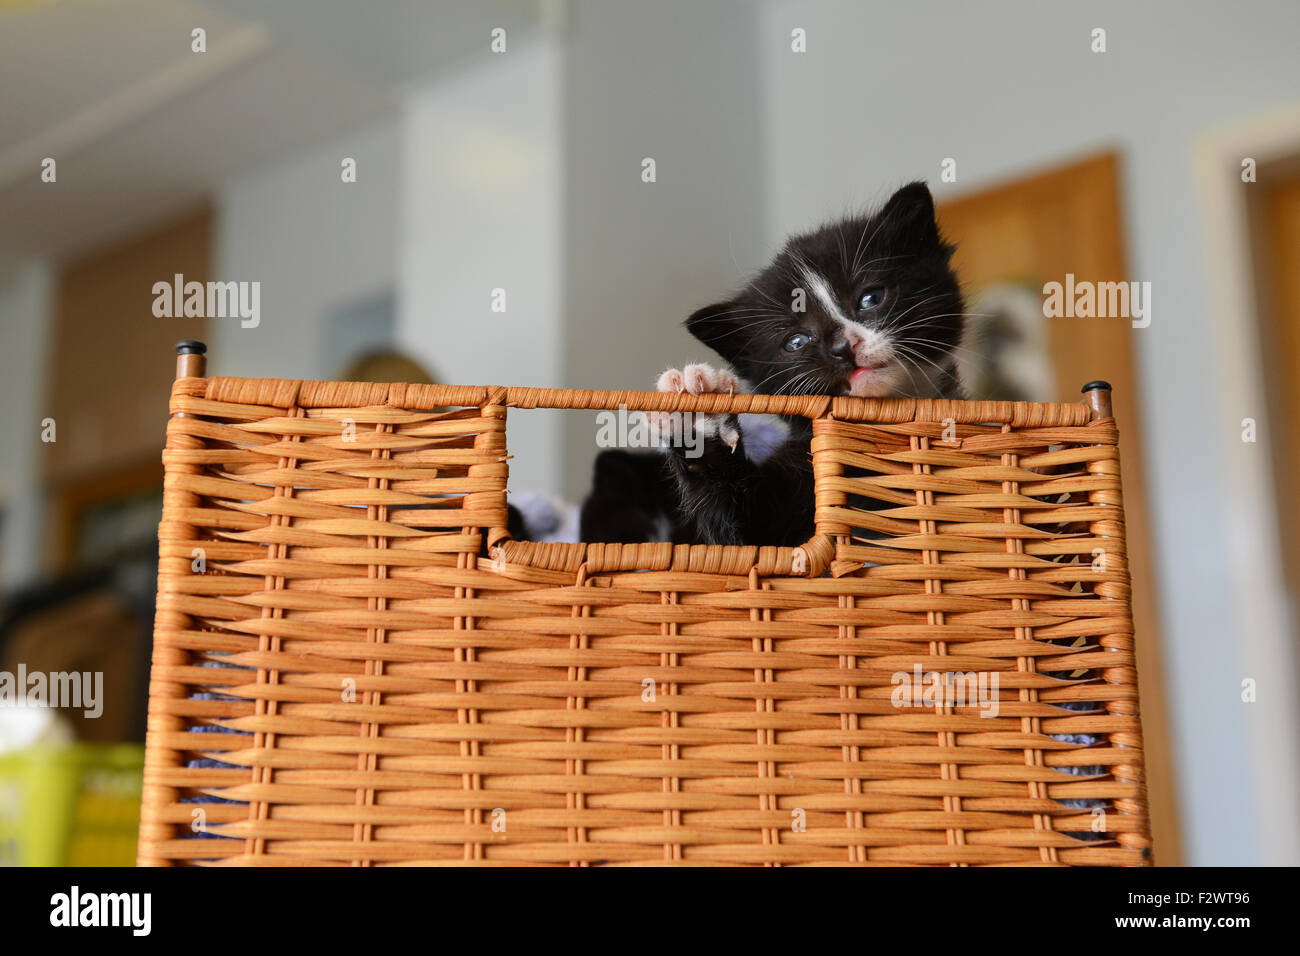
x: 797, y: 341
x: 871, y: 299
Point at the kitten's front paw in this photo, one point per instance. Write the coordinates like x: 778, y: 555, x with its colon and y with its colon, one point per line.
x: 702, y: 379
x: 699, y: 378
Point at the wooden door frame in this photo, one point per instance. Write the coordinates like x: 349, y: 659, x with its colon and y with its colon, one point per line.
x: 1253, y: 565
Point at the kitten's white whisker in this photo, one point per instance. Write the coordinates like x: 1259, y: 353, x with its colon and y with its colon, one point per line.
x: 947, y: 347
x: 911, y: 308
x: 908, y: 366
x: 912, y: 355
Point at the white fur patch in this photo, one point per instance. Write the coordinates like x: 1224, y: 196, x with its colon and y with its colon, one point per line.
x: 821, y: 291
x: 870, y: 346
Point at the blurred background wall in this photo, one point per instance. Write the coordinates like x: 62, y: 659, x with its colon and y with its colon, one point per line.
x: 482, y: 229
x: 521, y: 170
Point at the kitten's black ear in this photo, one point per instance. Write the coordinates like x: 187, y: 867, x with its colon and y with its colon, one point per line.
x: 909, y: 217
x: 715, y: 325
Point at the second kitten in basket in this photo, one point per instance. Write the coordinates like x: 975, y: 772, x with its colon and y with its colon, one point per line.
x: 867, y: 306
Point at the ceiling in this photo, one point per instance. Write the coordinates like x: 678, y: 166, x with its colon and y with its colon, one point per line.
x: 142, y: 127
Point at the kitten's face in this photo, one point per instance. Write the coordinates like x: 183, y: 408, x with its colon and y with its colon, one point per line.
x: 867, y: 306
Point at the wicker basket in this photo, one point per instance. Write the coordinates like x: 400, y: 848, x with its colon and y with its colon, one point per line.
x: 342, y: 677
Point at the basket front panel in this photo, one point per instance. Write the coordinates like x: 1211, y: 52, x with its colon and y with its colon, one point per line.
x: 346, y: 679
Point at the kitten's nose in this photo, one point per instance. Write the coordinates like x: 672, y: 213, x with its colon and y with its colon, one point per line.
x: 843, y: 351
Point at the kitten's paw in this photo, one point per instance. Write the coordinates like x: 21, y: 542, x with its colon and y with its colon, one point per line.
x: 725, y: 428
x: 700, y: 378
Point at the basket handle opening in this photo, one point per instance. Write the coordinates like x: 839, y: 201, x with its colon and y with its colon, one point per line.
x: 809, y: 559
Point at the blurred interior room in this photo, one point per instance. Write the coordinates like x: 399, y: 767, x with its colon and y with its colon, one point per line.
x: 419, y: 204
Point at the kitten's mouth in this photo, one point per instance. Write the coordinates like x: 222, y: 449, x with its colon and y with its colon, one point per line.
x: 861, y: 378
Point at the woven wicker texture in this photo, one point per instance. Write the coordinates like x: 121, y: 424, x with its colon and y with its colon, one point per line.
x: 339, y: 678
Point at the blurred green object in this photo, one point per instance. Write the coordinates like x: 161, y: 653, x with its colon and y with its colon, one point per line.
x: 70, y: 805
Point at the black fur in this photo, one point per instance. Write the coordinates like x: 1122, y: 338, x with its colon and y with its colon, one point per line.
x: 895, y: 266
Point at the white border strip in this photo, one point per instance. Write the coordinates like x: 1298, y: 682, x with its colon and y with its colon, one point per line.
x: 1264, y: 621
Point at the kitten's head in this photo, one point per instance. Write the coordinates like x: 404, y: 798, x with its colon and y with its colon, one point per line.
x: 865, y: 306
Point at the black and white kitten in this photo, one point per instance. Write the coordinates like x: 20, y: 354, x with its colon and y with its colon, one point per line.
x: 867, y: 306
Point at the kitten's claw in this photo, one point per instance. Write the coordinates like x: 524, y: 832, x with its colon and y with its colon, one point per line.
x: 671, y: 381
x: 731, y: 436
x: 723, y: 427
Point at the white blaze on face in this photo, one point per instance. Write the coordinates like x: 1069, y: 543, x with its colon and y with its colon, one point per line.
x: 821, y: 291
x: 871, y: 348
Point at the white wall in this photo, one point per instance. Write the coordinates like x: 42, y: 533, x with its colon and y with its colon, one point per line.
x: 886, y: 91
x: 25, y: 320
x: 676, y: 81
x: 521, y: 171
x: 481, y: 210
x: 314, y: 242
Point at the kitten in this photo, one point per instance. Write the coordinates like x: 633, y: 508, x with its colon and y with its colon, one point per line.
x: 868, y: 306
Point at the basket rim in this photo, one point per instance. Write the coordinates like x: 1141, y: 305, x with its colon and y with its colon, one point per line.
x: 311, y: 393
